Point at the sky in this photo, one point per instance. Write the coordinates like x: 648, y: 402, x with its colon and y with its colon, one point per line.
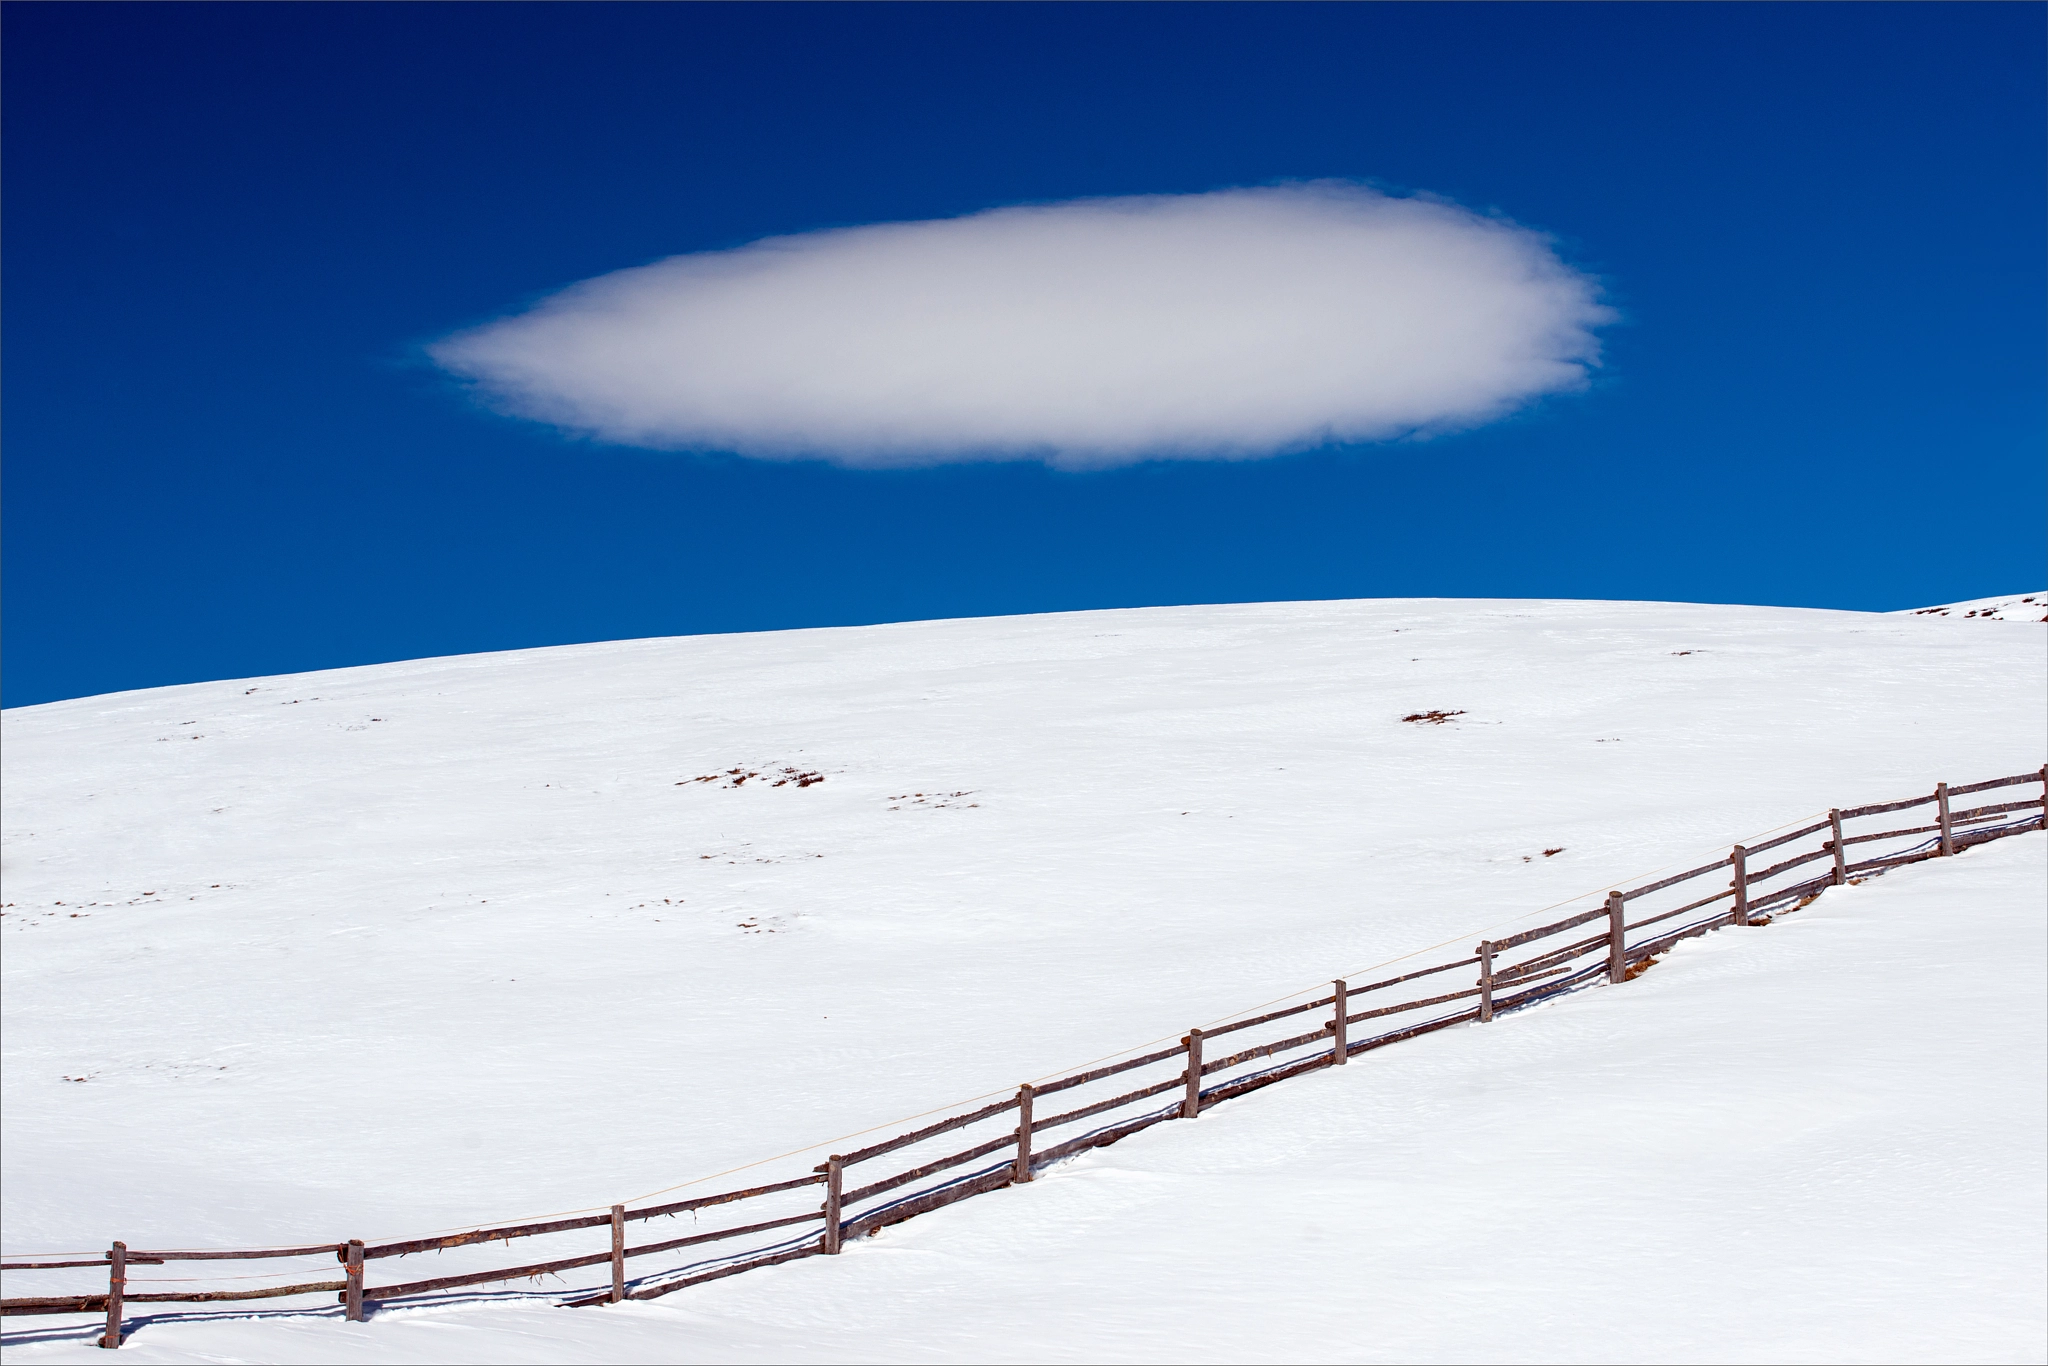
x: 343, y: 334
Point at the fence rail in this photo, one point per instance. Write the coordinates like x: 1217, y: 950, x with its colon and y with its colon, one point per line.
x: 781, y: 1225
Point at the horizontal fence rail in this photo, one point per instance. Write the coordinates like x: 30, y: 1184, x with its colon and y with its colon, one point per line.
x: 1006, y: 1141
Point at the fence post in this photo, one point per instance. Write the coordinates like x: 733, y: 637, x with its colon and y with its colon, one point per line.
x: 618, y: 1253
x: 1740, y: 858
x: 1485, y: 980
x: 117, y: 1285
x: 1339, y: 1025
x: 353, y: 1295
x: 1617, y: 949
x: 1841, y: 864
x: 1024, y: 1094
x: 1948, y: 838
x: 1191, y: 1104
x: 832, y: 1188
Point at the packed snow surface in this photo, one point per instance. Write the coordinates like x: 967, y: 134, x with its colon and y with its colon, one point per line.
x: 382, y: 951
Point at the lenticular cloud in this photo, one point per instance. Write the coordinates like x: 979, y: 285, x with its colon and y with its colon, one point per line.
x: 1099, y: 332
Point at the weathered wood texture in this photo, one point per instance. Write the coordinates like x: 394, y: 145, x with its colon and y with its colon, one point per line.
x: 1617, y: 938
x: 618, y: 1253
x: 1024, y: 1131
x: 1097, y: 1074
x: 1339, y: 1026
x: 929, y: 1131
x: 829, y: 1242
x: 117, y: 1285
x: 240, y: 1254
x: 931, y: 1168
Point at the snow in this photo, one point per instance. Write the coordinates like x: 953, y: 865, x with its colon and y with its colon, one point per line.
x: 2011, y: 607
x: 463, y: 940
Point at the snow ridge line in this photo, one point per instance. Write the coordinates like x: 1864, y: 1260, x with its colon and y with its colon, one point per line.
x: 935, y: 1181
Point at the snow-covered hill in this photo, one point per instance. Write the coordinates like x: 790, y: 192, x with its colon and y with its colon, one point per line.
x: 2011, y: 607
x: 379, y: 951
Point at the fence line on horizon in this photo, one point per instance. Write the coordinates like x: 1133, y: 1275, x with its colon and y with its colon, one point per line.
x: 1177, y: 1085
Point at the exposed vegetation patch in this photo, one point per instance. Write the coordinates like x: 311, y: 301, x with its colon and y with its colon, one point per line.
x: 774, y: 777
x: 932, y: 800
x: 1431, y: 718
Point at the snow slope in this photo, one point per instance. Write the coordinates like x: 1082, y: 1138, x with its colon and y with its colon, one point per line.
x: 381, y: 951
x: 1751, y: 1153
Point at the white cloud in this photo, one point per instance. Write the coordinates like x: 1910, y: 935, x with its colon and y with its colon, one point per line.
x: 1098, y: 332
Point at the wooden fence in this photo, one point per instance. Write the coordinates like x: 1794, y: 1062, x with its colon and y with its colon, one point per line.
x: 1009, y: 1140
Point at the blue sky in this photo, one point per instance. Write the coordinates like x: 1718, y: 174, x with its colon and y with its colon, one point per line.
x: 232, y: 230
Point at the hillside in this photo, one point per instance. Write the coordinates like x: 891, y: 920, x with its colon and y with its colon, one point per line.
x: 385, y: 950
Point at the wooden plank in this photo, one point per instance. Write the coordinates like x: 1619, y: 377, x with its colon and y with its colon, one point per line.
x: 133, y: 1260
x: 1948, y: 834
x: 97, y: 1303
x: 1268, y: 1017
x: 1892, y: 834
x: 1970, y: 838
x: 1485, y: 980
x: 1338, y: 1024
x: 267, y: 1293
x: 1105, y: 1137
x: 1571, y: 977
x: 1191, y: 1105
x: 1792, y: 893
x: 1415, y: 1031
x: 929, y: 1131
x: 925, y: 1203
x: 695, y: 1239
x: 1406, y: 1006
x: 1113, y: 1103
x: 1023, y: 1171
x: 1801, y: 833
x: 707, y: 1201
x: 1240, y: 1086
x: 829, y: 1243
x: 1878, y: 808
x: 1419, y: 972
x: 1502, y: 976
x: 618, y: 1253
x: 1543, y: 931
x: 931, y: 1168
x: 53, y: 1304
x: 2013, y: 781
x: 483, y: 1235
x: 1674, y: 879
x: 1688, y: 906
x: 1617, y: 931
x: 772, y: 1259
x: 1264, y: 1050
x: 117, y: 1285
x: 1835, y: 844
x: 393, y: 1292
x: 1997, y: 809
x: 1740, y: 885
x: 239, y: 1254
x: 1896, y: 861
x: 352, y: 1290
x: 1097, y: 1074
x: 1778, y: 868
x: 1653, y: 947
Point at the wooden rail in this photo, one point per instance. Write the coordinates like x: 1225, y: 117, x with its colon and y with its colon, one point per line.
x: 922, y: 1178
